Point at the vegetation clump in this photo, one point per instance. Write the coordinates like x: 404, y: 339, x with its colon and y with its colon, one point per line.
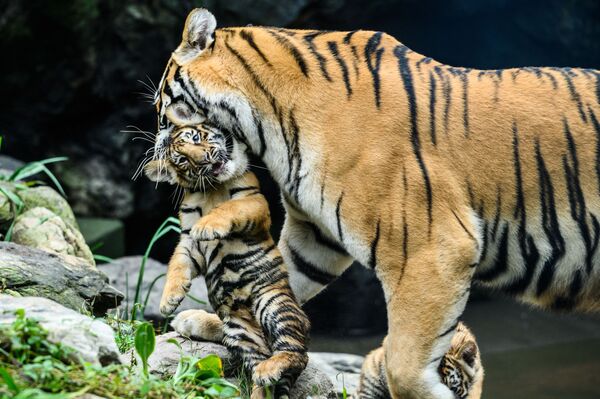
x: 32, y: 367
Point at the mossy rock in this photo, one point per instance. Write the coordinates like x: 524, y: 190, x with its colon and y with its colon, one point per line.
x: 34, y: 197
x: 68, y: 280
x: 47, y: 197
x: 41, y: 228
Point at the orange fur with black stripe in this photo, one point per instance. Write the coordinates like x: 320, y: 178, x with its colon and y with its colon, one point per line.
x: 460, y: 369
x: 434, y: 176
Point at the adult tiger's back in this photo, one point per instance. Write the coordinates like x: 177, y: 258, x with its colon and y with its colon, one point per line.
x: 429, y: 174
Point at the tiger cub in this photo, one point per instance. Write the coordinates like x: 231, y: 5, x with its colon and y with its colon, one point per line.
x: 225, y: 238
x: 460, y: 369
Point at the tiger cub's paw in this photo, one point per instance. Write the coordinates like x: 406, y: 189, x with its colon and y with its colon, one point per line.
x: 199, y: 324
x: 211, y: 227
x: 258, y: 393
x: 270, y: 371
x: 173, y: 293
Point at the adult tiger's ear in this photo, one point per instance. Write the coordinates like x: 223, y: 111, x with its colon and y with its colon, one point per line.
x: 158, y: 173
x: 198, y: 35
x: 181, y: 114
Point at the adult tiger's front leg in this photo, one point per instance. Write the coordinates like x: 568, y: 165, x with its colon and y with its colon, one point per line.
x: 313, y: 258
x: 426, y: 292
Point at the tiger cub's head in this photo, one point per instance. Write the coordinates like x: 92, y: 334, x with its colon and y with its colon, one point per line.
x: 195, y: 156
x: 461, y: 369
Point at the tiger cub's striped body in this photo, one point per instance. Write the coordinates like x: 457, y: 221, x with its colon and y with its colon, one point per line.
x: 460, y: 369
x: 225, y: 238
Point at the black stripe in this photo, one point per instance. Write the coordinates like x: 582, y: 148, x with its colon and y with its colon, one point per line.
x: 501, y: 263
x: 309, y: 270
x: 321, y: 239
x: 261, y: 136
x: 449, y: 330
x: 348, y: 36
x: 196, y: 209
x: 596, y: 125
x: 567, y: 73
x: 550, y: 224
x: 309, y: 39
x: 215, y: 251
x: 249, y: 37
x: 374, y: 243
x: 577, y: 203
x: 338, y: 218
x: 529, y: 251
x: 285, y: 42
x: 185, y: 231
x: 569, y: 302
x: 334, y: 51
x: 237, y: 190
x: 432, y: 100
x: 255, y: 78
x: 447, y: 91
x: 405, y: 73
x: 371, y: 49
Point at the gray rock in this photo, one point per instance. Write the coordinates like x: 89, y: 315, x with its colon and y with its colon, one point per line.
x: 68, y: 280
x: 123, y: 275
x: 47, y: 197
x: 9, y: 164
x: 94, y: 189
x: 166, y: 355
x: 312, y: 382
x: 91, y: 338
x: 41, y: 228
x: 343, y: 369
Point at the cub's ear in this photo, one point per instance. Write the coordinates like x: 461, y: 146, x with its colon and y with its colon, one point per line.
x: 198, y: 35
x: 156, y: 173
x: 469, y: 353
x: 181, y: 114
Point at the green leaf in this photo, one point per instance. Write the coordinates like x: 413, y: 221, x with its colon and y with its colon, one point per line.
x: 193, y: 298
x: 102, y: 258
x: 144, y: 344
x: 33, y: 168
x: 170, y: 224
x: 8, y: 380
x: 211, y: 363
x: 176, y: 343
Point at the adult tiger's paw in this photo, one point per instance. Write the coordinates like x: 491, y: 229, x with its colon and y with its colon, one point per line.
x: 211, y: 227
x: 174, y: 292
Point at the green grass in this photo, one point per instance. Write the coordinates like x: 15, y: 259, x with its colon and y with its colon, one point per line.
x: 31, y: 367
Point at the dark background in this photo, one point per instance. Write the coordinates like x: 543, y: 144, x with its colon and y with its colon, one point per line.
x: 70, y: 71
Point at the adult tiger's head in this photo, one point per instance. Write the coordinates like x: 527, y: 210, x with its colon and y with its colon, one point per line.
x: 198, y: 87
x: 193, y: 157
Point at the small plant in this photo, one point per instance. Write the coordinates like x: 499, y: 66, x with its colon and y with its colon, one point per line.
x: 31, y: 367
x: 144, y: 344
x: 19, y: 180
x: 170, y: 224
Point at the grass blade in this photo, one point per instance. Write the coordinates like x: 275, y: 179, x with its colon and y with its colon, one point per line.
x: 170, y: 224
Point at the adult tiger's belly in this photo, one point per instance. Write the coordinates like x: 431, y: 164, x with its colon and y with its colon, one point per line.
x: 550, y: 260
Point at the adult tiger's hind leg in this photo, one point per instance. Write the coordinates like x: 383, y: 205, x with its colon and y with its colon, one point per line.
x: 425, y: 295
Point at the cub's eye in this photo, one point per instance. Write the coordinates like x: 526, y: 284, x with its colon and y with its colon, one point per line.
x: 196, y: 138
x: 187, y: 135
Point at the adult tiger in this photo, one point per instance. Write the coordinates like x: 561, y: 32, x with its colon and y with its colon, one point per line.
x: 429, y: 174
